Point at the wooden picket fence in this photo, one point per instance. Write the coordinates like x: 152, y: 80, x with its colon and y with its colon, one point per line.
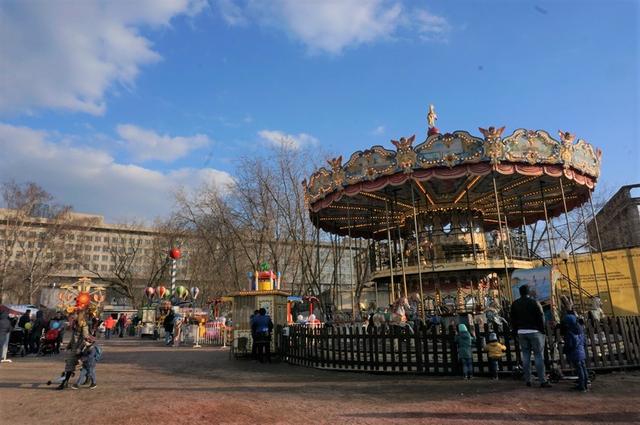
x: 612, y: 343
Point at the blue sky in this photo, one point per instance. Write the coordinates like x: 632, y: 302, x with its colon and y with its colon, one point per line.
x: 110, y: 106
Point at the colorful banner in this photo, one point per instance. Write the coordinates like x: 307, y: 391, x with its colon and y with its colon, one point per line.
x: 539, y: 280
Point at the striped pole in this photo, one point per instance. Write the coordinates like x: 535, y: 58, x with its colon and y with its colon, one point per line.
x: 173, y: 276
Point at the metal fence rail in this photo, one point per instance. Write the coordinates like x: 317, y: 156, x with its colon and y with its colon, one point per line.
x: 213, y: 334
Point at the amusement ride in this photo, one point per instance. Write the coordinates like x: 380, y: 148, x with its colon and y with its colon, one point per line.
x: 445, y: 219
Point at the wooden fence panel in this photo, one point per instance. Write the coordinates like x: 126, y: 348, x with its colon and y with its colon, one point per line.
x: 634, y: 331
x: 612, y: 342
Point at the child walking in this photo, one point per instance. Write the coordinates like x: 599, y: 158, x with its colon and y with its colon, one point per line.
x: 464, y: 341
x: 494, y: 350
x: 90, y: 355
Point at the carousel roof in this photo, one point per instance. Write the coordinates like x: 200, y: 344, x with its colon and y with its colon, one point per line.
x: 453, y: 171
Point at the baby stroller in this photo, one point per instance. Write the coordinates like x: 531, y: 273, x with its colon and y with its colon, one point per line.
x: 48, y: 343
x: 16, y: 343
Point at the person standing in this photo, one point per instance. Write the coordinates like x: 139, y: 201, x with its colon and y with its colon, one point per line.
x: 574, y: 348
x: 5, y: 333
x: 494, y: 351
x: 527, y: 321
x: 262, y: 327
x: 122, y: 324
x: 464, y: 340
x: 168, y: 327
x: 109, y: 324
x: 36, y: 331
x: 25, y: 324
x: 254, y: 341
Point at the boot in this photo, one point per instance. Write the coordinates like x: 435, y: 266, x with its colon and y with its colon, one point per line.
x: 64, y: 382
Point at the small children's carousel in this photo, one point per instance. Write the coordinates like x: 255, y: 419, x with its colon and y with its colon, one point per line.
x: 265, y: 292
x: 81, y: 295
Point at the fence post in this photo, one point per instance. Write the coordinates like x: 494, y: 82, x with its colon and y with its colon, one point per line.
x: 196, y: 329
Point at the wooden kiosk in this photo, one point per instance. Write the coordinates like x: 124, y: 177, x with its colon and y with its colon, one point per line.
x: 265, y: 293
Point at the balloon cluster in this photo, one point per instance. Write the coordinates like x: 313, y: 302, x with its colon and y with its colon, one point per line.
x: 162, y: 293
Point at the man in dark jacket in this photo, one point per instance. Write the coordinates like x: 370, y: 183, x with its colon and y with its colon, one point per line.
x: 5, y: 332
x: 36, y: 332
x: 168, y: 327
x: 527, y: 320
x: 26, y: 330
x: 261, y: 327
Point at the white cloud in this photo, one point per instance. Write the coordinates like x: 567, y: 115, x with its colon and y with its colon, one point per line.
x: 232, y: 13
x: 66, y: 55
x: 289, y: 141
x: 332, y: 25
x: 431, y: 27
x: 91, y: 180
x: 379, y: 130
x: 147, y: 145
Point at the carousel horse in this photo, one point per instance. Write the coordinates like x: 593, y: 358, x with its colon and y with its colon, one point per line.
x: 492, y: 312
x: 596, y: 312
x: 396, y: 318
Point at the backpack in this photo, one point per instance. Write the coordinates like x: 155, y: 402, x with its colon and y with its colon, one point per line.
x: 98, y: 354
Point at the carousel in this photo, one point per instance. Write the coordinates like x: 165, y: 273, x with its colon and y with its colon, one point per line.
x: 445, y: 219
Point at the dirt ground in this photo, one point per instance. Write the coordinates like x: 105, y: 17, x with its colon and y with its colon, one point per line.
x: 145, y: 383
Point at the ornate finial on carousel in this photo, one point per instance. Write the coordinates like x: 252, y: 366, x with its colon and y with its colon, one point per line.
x: 264, y: 266
x: 566, y: 137
x: 431, y: 120
x: 491, y: 134
x: 335, y: 163
x: 566, y: 150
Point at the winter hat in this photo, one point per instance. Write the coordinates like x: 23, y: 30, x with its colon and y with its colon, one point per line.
x: 462, y: 328
x: 493, y: 337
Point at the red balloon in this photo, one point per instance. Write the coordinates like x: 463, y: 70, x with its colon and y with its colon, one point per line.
x: 161, y: 290
x: 175, y: 253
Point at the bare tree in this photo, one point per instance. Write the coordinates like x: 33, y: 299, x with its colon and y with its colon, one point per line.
x: 262, y: 217
x: 137, y: 257
x: 34, y: 233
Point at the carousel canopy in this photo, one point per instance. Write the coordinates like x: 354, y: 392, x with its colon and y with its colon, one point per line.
x: 453, y: 172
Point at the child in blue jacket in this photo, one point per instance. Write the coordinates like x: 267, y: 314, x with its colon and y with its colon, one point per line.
x: 464, y: 341
x: 574, y: 348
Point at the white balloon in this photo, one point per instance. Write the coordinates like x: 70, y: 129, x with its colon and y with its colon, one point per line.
x: 194, y: 292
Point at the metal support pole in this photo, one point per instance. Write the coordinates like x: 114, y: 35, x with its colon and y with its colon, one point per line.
x: 386, y: 210
x: 604, y: 264
x: 471, y: 228
x: 506, y: 227
x: 401, y: 246
x: 573, y: 252
x: 353, y: 299
x: 549, y: 229
x: 174, y: 270
x: 524, y: 229
x: 318, y: 250
x: 415, y: 225
x: 593, y: 266
x: 504, y: 253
